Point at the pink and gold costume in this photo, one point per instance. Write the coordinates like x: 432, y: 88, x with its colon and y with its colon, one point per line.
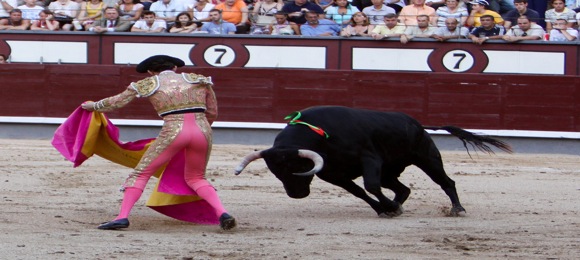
x: 188, y: 106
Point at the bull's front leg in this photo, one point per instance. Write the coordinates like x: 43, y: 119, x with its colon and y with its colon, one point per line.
x: 372, y: 181
x: 357, y: 191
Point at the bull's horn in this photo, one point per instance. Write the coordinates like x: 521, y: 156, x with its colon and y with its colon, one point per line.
x: 315, y: 157
x: 247, y: 160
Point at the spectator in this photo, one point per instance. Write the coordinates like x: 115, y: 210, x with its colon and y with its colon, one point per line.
x: 376, y: 12
x: 6, y: 6
x: 217, y: 25
x: 397, y: 5
x: 30, y: 10
x: 166, y: 9
x: 539, y: 6
x: 318, y: 27
x: 90, y: 11
x: 422, y: 30
x: 487, y: 31
x: 65, y: 11
x: 451, y: 10
x: 236, y: 12
x: 341, y: 12
x: 45, y: 22
x: 409, y: 13
x: 525, y: 30
x: 131, y: 10
x: 284, y: 27
x: 560, y: 11
x: 200, y: 11
x: 110, y: 22
x: 149, y: 24
x: 3, y: 59
x: 296, y: 10
x: 561, y: 33
x: 263, y: 15
x: 502, y: 7
x: 323, y: 3
x: 359, y: 26
x: 450, y: 31
x: 511, y: 17
x: 14, y: 21
x: 391, y: 28
x: 479, y: 9
x: 183, y: 24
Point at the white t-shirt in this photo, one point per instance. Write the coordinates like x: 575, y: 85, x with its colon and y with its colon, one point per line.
x: 557, y: 36
x: 141, y: 24
x: 13, y: 3
x: 30, y: 13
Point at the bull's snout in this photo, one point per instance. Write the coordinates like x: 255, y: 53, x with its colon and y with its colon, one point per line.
x: 298, y: 194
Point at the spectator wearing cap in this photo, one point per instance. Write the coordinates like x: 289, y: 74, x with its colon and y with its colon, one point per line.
x: 487, y: 31
x: 524, y: 31
x: 511, y: 18
x: 409, y: 13
x: 479, y: 8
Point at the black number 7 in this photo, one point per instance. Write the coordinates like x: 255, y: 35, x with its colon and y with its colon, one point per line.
x: 219, y: 59
x: 462, y: 55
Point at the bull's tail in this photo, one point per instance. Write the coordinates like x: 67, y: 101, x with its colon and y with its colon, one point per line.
x: 476, y: 141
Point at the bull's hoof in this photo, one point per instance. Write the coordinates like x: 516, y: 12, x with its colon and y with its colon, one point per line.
x: 457, y: 212
x: 392, y: 214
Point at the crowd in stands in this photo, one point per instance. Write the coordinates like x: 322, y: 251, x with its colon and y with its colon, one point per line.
x: 478, y: 20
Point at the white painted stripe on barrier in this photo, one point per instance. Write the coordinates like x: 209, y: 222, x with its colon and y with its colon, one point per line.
x: 527, y: 62
x: 134, y: 53
x: 44, y: 51
x: 286, y: 57
x: 278, y: 126
x: 390, y: 59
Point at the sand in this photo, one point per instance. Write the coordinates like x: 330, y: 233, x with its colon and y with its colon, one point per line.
x: 519, y: 206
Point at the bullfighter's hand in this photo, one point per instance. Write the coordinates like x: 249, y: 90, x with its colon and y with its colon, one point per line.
x: 89, y: 105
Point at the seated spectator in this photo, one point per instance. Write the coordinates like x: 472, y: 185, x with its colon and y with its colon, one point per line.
x: 341, y: 12
x: 130, y: 10
x: 479, y: 9
x: 200, y: 11
x: 487, y: 31
x: 149, y: 24
x: 451, y: 10
x: 30, y: 10
x: 561, y: 33
x: 45, y: 22
x: 397, y: 5
x: 315, y: 26
x: 502, y: 7
x: 376, y: 12
x: 323, y: 3
x: 282, y: 26
x: 217, y: 25
x: 236, y: 12
x: 65, y: 11
x: 560, y: 11
x: 167, y: 9
x: 359, y: 26
x: 110, y: 22
x: 90, y: 11
x: 391, y: 28
x: 525, y: 30
x: 14, y: 21
x: 422, y: 30
x: 3, y: 59
x: 263, y: 15
x: 296, y: 10
x: 450, y: 31
x: 511, y: 17
x: 183, y: 24
x: 409, y: 13
x: 6, y: 6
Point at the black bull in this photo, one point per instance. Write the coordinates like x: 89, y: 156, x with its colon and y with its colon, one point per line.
x: 375, y: 145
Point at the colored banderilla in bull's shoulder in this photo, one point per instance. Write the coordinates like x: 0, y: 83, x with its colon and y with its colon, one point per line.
x: 294, y: 120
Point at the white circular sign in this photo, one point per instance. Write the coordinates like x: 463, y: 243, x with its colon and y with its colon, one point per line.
x: 219, y: 55
x: 458, y: 61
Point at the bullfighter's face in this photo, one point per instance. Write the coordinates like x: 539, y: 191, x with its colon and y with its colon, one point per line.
x: 284, y: 163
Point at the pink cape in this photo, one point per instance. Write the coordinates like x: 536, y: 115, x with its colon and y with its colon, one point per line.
x: 86, y: 133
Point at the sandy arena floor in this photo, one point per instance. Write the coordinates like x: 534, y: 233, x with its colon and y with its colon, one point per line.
x: 521, y: 206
